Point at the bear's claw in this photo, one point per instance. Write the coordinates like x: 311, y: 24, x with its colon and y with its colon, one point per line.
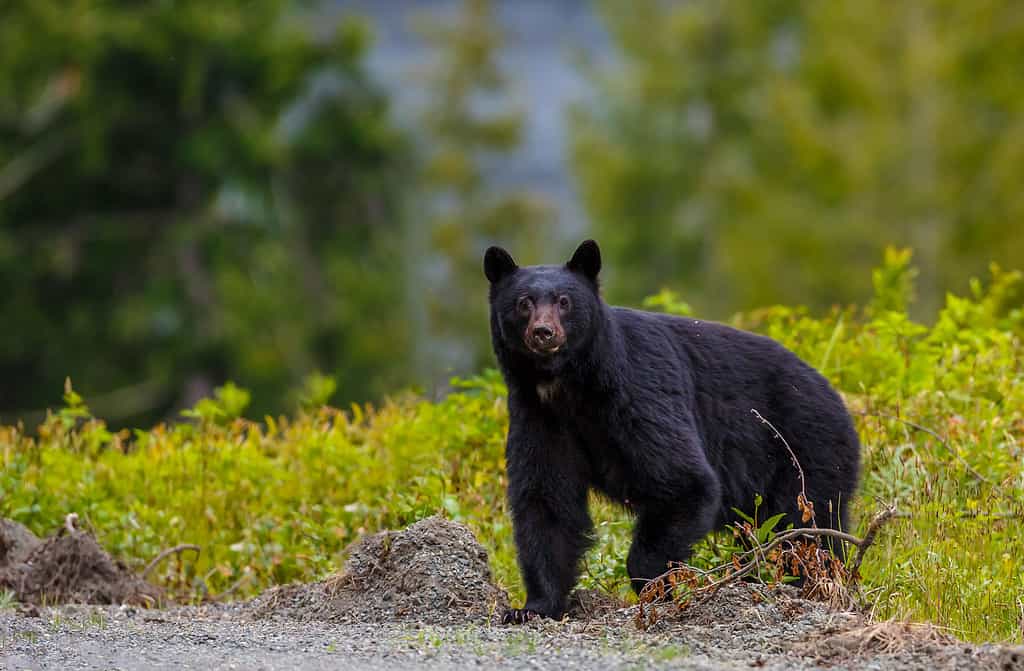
x: 518, y: 616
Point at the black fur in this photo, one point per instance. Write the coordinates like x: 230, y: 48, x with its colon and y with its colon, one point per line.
x: 654, y: 411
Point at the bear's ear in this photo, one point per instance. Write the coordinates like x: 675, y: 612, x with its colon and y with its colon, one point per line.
x: 498, y: 264
x: 586, y: 260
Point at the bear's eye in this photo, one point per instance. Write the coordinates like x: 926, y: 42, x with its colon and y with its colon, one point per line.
x: 564, y: 303
x: 524, y: 305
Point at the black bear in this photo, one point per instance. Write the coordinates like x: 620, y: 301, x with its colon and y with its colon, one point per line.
x: 655, y: 412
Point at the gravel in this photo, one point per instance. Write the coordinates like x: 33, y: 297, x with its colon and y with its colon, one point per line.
x: 781, y: 633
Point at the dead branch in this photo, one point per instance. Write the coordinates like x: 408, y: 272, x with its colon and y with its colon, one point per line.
x: 874, y: 525
x: 230, y: 590
x: 177, y: 549
x: 802, y: 501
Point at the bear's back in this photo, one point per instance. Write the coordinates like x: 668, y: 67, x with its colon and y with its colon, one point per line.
x: 715, y: 354
x: 727, y: 371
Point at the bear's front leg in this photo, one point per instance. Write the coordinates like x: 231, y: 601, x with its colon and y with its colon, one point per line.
x: 547, y: 493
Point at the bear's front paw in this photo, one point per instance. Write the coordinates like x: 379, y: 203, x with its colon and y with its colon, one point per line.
x: 519, y: 616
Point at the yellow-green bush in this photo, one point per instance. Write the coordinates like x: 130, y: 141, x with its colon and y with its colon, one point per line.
x: 940, y: 409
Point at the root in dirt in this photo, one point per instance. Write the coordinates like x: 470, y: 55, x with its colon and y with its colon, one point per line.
x: 69, y: 567
x: 591, y: 604
x: 16, y: 542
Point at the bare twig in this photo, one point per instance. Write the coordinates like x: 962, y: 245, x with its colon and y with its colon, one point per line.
x: 18, y: 171
x: 874, y: 525
x: 231, y: 590
x: 763, y: 550
x: 177, y: 549
x: 804, y: 503
x: 934, y: 434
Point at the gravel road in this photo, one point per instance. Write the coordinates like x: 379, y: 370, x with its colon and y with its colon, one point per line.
x: 94, y: 637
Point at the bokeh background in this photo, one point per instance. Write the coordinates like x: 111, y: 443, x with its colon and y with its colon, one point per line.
x: 261, y: 190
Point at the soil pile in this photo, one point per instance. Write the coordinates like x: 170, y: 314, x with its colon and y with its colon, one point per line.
x: 742, y: 602
x: 69, y: 567
x: 777, y: 621
x: 434, y: 572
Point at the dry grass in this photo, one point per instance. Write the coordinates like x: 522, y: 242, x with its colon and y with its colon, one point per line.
x: 888, y: 637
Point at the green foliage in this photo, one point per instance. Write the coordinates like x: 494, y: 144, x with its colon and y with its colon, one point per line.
x: 940, y: 410
x: 766, y: 152
x: 894, y: 281
x: 317, y: 390
x: 191, y: 192
x: 763, y: 530
x: 227, y: 405
x: 669, y: 302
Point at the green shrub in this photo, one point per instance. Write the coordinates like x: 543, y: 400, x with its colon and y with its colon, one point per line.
x: 940, y: 410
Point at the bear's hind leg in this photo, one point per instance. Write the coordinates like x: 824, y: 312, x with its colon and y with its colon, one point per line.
x: 664, y: 535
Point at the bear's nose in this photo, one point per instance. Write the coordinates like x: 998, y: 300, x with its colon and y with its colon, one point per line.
x: 543, y: 333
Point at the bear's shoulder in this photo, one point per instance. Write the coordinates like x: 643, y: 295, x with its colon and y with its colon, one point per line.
x: 649, y: 337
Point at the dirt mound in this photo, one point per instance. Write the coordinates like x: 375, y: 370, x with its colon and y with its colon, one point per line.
x: 434, y: 572
x: 777, y: 622
x: 69, y: 567
x: 741, y: 602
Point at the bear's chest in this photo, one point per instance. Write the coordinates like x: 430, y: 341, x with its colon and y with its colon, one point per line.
x: 548, y: 392
x: 610, y: 471
x: 586, y: 420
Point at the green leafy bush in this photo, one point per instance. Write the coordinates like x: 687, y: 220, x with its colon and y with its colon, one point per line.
x: 940, y: 409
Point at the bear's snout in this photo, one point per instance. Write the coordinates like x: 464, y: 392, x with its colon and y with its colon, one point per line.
x: 544, y: 333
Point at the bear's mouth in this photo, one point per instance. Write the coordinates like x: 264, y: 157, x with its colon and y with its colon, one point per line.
x: 545, y: 346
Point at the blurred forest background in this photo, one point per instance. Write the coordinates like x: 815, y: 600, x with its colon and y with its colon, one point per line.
x: 192, y: 192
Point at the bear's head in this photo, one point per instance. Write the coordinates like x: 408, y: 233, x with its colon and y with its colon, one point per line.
x: 546, y: 314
